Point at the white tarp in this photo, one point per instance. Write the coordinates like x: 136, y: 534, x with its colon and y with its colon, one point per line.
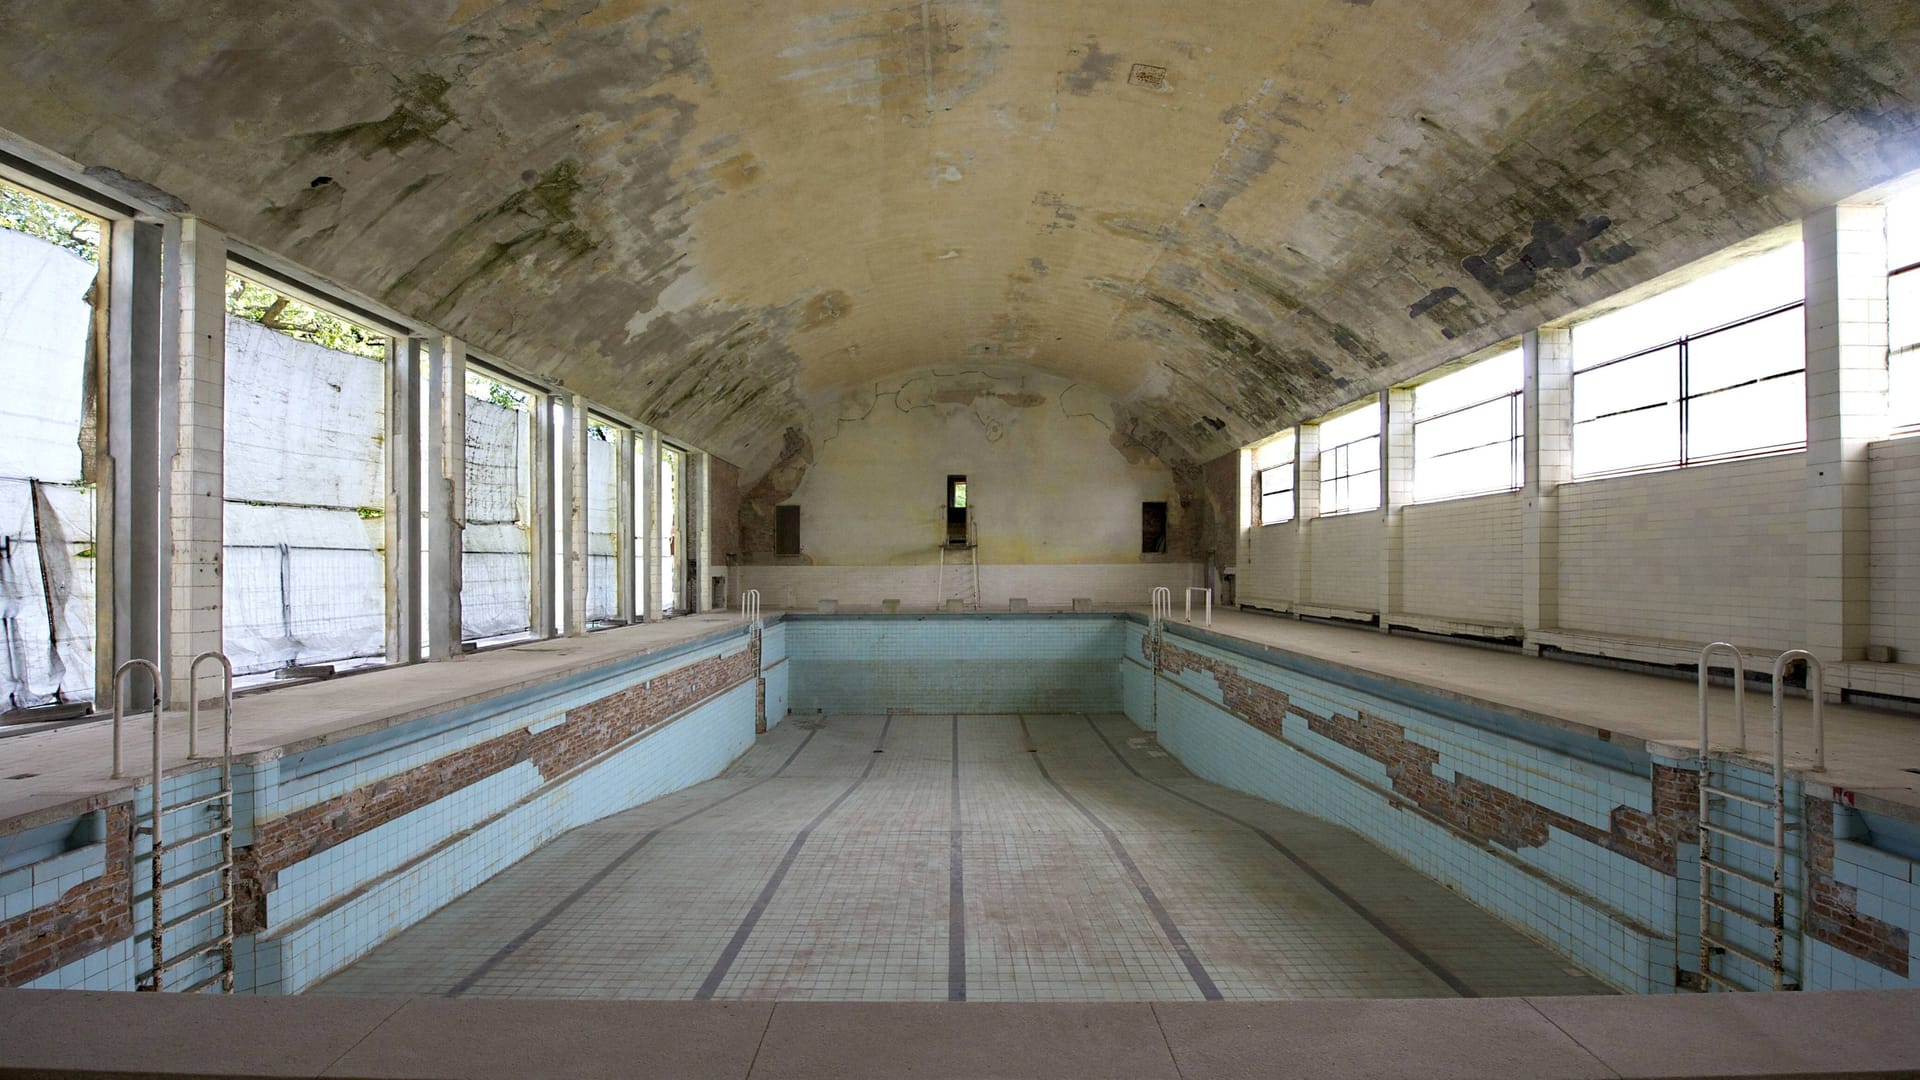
x: 45, y: 322
x: 496, y: 560
x: 305, y: 485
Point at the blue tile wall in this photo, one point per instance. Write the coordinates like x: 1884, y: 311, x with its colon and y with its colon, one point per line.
x: 954, y: 664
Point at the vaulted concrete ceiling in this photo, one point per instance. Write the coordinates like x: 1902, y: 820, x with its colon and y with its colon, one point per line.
x: 1227, y: 215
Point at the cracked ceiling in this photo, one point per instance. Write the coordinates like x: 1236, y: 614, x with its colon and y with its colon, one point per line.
x: 1227, y: 216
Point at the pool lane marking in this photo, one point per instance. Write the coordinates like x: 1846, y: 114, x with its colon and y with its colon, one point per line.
x: 759, y: 908
x: 1195, y: 969
x: 603, y: 873
x: 956, y: 890
x: 1418, y: 954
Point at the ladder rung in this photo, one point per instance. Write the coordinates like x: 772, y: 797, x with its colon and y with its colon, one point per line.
x: 221, y: 830
x: 211, y: 980
x: 1737, y: 834
x: 191, y: 878
x: 181, y: 920
x: 1753, y: 958
x: 1737, y: 797
x: 1743, y: 913
x: 201, y: 801
x: 1765, y: 883
x: 1724, y: 981
x: 194, y: 953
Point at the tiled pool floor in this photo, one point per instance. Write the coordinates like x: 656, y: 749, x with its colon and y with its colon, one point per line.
x: 984, y: 858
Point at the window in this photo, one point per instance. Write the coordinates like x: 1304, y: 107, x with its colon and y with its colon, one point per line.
x: 1467, y: 430
x: 1350, y: 461
x: 786, y: 530
x: 50, y: 256
x: 496, y: 544
x: 957, y: 511
x: 1153, y: 528
x: 1903, y: 311
x: 1273, y: 463
x: 603, y: 522
x: 1710, y: 370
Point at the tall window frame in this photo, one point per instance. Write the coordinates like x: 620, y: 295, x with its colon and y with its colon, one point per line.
x: 1350, y: 467
x: 1275, y: 475
x: 1903, y: 312
x: 1462, y: 420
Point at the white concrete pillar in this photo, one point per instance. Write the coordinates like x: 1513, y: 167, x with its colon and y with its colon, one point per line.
x: 197, y: 465
x: 626, y: 573
x: 1249, y: 498
x: 650, y: 526
x: 1396, y: 494
x: 446, y: 492
x: 1306, y: 507
x: 573, y: 512
x: 541, y: 530
x: 1846, y: 319
x: 703, y: 531
x: 1547, y: 452
x: 402, y: 518
x: 130, y: 547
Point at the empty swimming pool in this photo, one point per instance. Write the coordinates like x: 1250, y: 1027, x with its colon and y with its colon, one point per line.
x: 1057, y: 856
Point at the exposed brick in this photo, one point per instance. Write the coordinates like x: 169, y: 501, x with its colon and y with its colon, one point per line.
x: 1832, y: 916
x: 82, y: 921
x: 1475, y: 807
x: 586, y: 732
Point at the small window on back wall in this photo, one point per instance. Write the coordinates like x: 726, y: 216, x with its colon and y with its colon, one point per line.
x: 786, y: 530
x: 1153, y: 528
x: 1273, y: 480
x: 1903, y: 310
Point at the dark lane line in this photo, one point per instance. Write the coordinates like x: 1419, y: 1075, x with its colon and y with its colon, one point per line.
x: 956, y: 891
x: 745, y: 931
x: 1439, y: 970
x: 1195, y: 970
x: 604, y: 872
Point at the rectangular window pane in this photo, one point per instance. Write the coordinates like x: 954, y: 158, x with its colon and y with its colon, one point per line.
x: 1477, y: 426
x: 603, y: 524
x: 1903, y: 310
x: 1755, y: 350
x: 1277, y: 479
x: 1903, y: 229
x: 1470, y: 472
x: 496, y: 544
x: 1351, y: 427
x: 1275, y: 509
x: 1493, y: 377
x: 1651, y: 379
x: 1903, y: 388
x: 1755, y: 284
x: 1759, y: 416
x: 1646, y: 439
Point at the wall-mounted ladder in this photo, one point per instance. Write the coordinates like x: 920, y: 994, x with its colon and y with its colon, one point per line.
x: 1160, y: 609
x: 967, y: 578
x: 211, y: 881
x: 1723, y: 843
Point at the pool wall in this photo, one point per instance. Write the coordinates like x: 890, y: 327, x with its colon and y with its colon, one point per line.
x: 343, y: 845
x: 1588, y: 844
x: 1585, y: 842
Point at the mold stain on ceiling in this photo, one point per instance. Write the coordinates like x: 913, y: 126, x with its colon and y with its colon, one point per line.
x: 1224, y: 217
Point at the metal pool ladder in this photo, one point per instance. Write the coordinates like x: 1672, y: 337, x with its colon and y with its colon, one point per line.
x: 220, y: 872
x: 1716, y: 870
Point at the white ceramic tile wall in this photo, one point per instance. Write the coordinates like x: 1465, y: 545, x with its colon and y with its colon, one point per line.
x: 1266, y: 574
x: 1345, y: 554
x: 1689, y: 554
x: 1895, y: 603
x: 1462, y: 559
x: 801, y: 588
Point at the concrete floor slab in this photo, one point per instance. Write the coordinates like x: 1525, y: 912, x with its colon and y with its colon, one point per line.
x: 479, y: 1040
x: 183, y: 1035
x: 1748, y: 1035
x: 1376, y: 1040
x: 841, y: 1041
x: 1002, y: 875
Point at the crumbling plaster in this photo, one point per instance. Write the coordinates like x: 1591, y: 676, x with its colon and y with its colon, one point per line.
x: 1224, y: 216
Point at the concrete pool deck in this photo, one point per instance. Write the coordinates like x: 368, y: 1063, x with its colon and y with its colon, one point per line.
x: 1055, y: 858
x: 1843, y: 1033
x: 1870, y: 753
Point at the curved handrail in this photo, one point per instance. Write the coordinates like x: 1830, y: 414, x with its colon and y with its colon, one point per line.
x: 1160, y: 602
x: 1739, y: 694
x: 119, y: 710
x: 193, y: 702
x: 1816, y: 689
x: 750, y: 606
